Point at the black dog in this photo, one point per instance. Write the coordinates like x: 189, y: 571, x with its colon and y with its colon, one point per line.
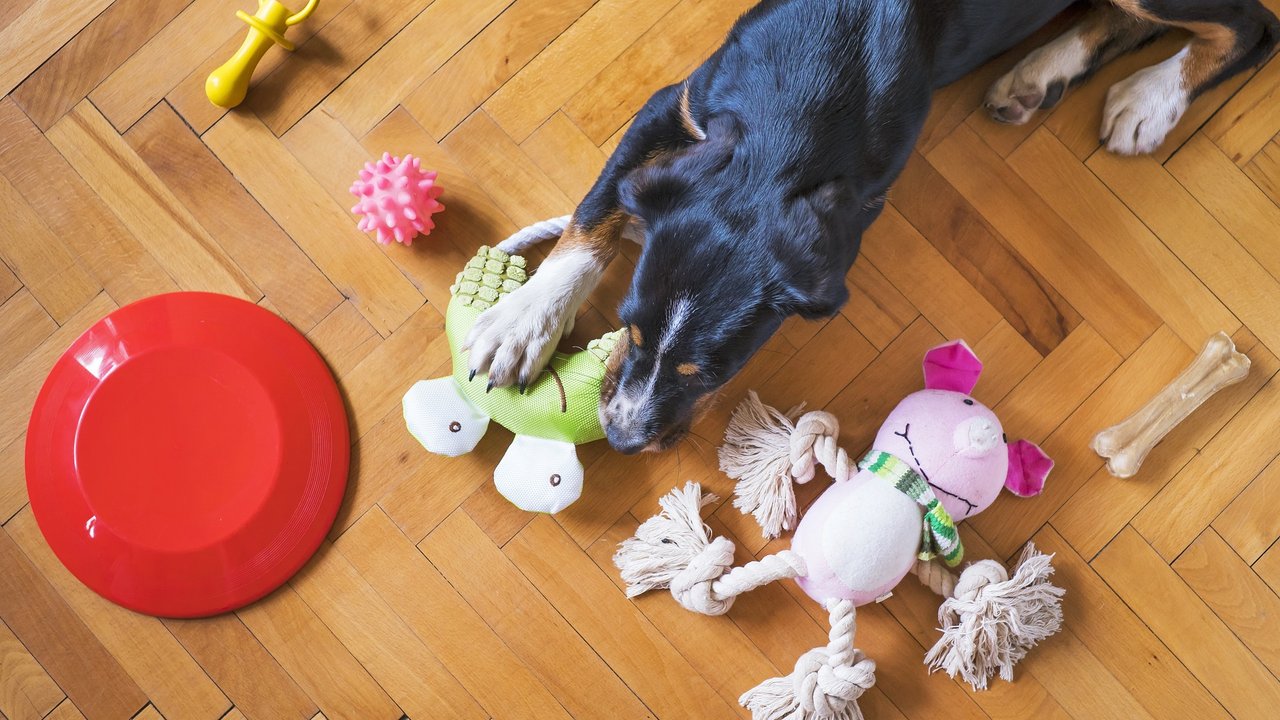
x: 756, y: 177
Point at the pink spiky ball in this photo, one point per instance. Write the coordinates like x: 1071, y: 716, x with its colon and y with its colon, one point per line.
x: 396, y: 198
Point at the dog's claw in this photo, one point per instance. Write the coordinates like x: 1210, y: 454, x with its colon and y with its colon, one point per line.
x: 489, y: 388
x: 471, y: 376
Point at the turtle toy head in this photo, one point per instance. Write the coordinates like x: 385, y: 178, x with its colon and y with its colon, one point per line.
x: 558, y: 410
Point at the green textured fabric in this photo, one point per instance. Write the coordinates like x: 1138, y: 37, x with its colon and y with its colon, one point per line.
x: 562, y: 403
x: 939, y: 537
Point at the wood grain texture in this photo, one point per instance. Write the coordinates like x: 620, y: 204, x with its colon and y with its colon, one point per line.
x: 146, y: 206
x: 1083, y: 281
x: 233, y: 219
x: 60, y: 642
x: 145, y: 649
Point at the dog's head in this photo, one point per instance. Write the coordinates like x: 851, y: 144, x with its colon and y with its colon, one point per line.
x: 730, y: 252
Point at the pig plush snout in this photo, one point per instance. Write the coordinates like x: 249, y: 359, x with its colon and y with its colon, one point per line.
x: 976, y: 437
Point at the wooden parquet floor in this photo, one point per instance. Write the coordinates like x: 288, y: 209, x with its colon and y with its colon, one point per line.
x: 1085, y: 281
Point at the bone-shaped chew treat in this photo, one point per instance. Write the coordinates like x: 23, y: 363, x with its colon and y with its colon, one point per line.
x: 1126, y: 445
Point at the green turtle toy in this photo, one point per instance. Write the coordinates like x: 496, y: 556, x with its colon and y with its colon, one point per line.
x: 559, y: 410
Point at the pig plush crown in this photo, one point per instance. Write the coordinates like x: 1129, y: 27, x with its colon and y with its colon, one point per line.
x: 940, y: 457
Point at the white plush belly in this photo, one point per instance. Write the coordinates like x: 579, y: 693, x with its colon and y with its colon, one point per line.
x: 873, y: 536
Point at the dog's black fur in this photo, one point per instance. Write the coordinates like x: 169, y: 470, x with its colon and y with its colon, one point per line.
x: 810, y: 109
x: 757, y: 176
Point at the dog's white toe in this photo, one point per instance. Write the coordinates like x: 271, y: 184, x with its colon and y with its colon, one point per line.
x: 1143, y: 108
x: 512, y: 341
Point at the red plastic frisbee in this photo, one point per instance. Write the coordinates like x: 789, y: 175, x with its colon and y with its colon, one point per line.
x: 187, y: 454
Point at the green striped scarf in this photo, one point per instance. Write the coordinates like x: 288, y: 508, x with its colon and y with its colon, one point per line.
x: 938, y: 537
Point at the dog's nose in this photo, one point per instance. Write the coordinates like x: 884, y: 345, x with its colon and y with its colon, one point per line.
x: 976, y: 437
x: 624, y: 440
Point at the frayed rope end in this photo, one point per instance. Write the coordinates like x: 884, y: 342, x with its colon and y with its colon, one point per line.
x: 757, y: 453
x: 993, y: 620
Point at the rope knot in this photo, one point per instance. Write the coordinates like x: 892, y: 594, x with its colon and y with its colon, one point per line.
x: 826, y: 689
x: 814, y: 441
x: 976, y: 577
x: 693, y: 587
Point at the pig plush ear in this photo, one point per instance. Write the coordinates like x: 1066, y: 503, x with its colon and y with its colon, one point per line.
x: 1028, y: 467
x: 952, y: 366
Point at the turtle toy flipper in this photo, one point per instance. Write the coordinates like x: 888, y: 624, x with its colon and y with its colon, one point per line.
x: 539, y: 475
x: 441, y: 418
x: 558, y: 410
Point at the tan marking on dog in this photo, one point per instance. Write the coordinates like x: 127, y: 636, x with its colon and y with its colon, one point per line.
x: 687, y: 369
x: 637, y: 338
x: 686, y: 116
x: 601, y: 240
x: 1210, y: 50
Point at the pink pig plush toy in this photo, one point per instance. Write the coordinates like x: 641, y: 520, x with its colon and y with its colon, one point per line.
x: 940, y: 457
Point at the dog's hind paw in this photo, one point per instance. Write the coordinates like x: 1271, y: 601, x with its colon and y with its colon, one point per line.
x: 1039, y: 81
x: 1143, y: 108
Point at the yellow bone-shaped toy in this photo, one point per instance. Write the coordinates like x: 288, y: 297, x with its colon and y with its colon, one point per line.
x: 227, y: 86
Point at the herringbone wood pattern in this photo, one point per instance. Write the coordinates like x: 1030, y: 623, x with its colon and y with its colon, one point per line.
x: 1084, y: 280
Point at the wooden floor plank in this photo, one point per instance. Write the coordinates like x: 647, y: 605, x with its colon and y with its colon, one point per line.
x: 242, y: 668
x: 437, y: 614
x: 1189, y: 231
x: 557, y: 73
x: 875, y: 306
x: 151, y: 72
x: 662, y: 56
x: 619, y: 632
x: 74, y: 212
x: 24, y: 324
x: 60, y: 642
x: 1235, y: 594
x: 326, y: 232
x: 142, y: 644
x: 1057, y: 252
x: 187, y: 97
x: 380, y: 639
x: 299, y: 291
x: 44, y: 265
x: 1164, y: 602
x: 1180, y: 299
x: 444, y: 27
x: 1235, y: 201
x: 320, y: 664
x: 1249, y: 524
x: 1103, y: 506
x: 1195, y: 496
x: 528, y: 623
x: 93, y: 54
x: 26, y: 690
x: 37, y: 34
x: 146, y: 206
x: 1117, y: 637
x: 1026, y: 300
x: 281, y: 98
x: 480, y: 68
x: 926, y: 279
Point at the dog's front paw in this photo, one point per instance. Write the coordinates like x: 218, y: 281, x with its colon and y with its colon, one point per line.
x: 514, y: 340
x: 1038, y: 82
x: 1144, y: 107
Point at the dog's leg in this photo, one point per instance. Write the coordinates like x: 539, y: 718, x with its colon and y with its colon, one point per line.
x: 1227, y: 38
x: 513, y: 341
x: 1041, y: 79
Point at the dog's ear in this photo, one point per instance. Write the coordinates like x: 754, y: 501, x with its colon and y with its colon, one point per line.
x: 671, y: 177
x: 817, y: 238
